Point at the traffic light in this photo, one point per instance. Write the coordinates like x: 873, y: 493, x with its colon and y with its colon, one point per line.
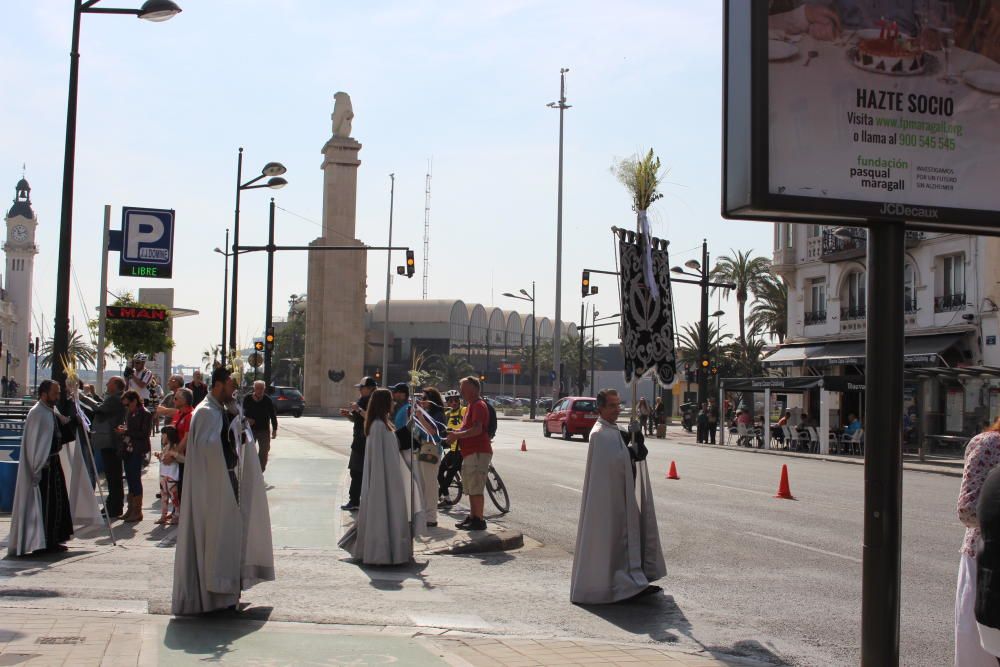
x: 585, y: 283
x: 31, y: 347
x: 705, y: 362
x: 411, y: 264
x: 378, y: 374
x: 258, y: 345
x: 482, y: 377
x: 269, y: 339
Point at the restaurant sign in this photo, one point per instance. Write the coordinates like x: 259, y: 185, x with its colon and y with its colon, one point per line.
x: 857, y: 115
x: 136, y: 314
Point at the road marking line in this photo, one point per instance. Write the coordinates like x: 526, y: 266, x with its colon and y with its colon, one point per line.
x: 738, y: 488
x: 568, y: 488
x: 806, y: 547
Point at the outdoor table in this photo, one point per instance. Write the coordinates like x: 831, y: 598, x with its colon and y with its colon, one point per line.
x: 947, y: 440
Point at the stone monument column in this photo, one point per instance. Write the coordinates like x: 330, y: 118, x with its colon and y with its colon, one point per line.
x: 335, y: 302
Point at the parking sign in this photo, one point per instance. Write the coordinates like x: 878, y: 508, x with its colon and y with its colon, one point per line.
x: 147, y: 243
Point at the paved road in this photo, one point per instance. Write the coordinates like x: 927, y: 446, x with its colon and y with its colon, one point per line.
x: 749, y: 575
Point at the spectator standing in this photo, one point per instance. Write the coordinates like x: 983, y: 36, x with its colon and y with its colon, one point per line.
x: 477, y: 452
x: 170, y: 500
x: 135, y: 436
x: 660, y: 412
x: 198, y: 388
x: 138, y: 377
x: 182, y: 422
x: 4, y: 385
x: 258, y: 408
x: 356, y: 465
x: 982, y: 455
x: 713, y: 420
x: 644, y: 414
x: 401, y: 405
x: 107, y: 417
x: 988, y: 564
x: 452, y: 461
x: 166, y: 408
x: 702, y: 423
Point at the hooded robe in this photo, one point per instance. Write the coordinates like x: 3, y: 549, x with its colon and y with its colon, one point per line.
x: 223, y: 543
x: 385, y: 526
x: 617, y: 541
x: 69, y: 499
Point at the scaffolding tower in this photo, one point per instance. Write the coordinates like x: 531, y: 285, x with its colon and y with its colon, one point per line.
x: 427, y: 223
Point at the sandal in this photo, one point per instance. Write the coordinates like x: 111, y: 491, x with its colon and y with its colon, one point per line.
x: 161, y: 520
x: 172, y: 521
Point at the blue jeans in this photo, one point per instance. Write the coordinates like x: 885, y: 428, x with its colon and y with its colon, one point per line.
x: 132, y: 462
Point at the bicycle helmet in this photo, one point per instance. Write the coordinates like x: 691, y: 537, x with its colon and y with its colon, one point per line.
x: 450, y: 394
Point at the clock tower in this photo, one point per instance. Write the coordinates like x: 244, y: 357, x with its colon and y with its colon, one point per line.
x: 20, y: 249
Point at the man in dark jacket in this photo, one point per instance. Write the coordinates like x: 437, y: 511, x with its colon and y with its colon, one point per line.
x: 108, y: 415
x: 988, y: 564
x: 356, y: 464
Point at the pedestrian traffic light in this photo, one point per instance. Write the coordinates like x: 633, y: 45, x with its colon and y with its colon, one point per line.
x: 269, y: 339
x: 258, y: 345
x: 411, y: 264
x: 585, y: 283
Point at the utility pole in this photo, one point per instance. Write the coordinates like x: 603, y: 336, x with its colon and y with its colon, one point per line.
x: 388, y: 287
x: 103, y: 314
x: 557, y: 331
x: 703, y: 371
x: 427, y: 225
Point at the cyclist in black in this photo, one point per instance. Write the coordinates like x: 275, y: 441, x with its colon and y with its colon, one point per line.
x: 451, y: 462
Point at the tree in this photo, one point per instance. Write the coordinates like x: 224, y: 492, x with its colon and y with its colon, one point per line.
x: 446, y: 370
x: 130, y: 337
x: 85, y: 353
x: 210, y: 356
x: 569, y: 355
x: 769, y: 310
x: 748, y: 274
x: 289, y: 350
x: 689, y: 344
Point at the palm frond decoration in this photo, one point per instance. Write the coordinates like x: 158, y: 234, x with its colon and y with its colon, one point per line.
x: 236, y: 366
x: 641, y: 177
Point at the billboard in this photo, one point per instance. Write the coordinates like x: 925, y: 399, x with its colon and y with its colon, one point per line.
x: 859, y: 111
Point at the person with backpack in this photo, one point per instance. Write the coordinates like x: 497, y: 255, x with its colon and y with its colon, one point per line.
x: 477, y: 452
x: 451, y: 463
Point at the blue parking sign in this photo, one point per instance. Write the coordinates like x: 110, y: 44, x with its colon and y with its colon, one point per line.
x: 147, y: 243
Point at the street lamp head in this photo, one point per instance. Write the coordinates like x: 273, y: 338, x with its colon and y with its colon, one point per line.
x: 676, y: 269
x: 718, y: 313
x: 276, y: 183
x: 693, y: 264
x: 513, y: 296
x: 218, y: 251
x: 273, y: 169
x: 525, y: 292
x: 158, y: 10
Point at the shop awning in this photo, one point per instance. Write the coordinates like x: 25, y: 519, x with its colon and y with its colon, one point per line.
x: 917, y: 350
x: 952, y: 373
x: 783, y: 385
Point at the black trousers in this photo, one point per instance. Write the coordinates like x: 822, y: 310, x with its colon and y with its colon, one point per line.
x: 113, y: 473
x: 354, y: 494
x: 712, y: 428
x: 702, y: 433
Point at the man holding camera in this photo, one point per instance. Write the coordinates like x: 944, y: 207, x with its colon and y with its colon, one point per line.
x: 138, y: 377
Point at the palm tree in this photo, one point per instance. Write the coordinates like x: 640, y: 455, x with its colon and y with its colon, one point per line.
x: 446, y: 370
x: 769, y: 310
x: 689, y: 343
x: 209, y: 356
x: 748, y: 274
x: 85, y: 353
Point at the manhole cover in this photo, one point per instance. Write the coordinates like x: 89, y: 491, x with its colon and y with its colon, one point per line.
x: 60, y: 640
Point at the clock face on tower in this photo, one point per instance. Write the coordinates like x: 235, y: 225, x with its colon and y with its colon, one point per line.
x: 19, y: 233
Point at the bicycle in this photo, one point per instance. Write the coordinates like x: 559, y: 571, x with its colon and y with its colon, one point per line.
x: 495, y: 488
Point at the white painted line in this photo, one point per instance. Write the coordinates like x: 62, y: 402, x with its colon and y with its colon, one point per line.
x: 568, y: 488
x: 803, y: 546
x: 738, y: 488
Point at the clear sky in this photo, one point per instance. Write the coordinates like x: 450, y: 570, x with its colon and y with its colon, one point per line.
x: 164, y: 107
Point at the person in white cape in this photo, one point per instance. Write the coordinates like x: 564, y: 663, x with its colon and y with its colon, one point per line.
x: 54, y: 493
x: 618, y: 549
x: 224, y: 532
x: 390, y: 515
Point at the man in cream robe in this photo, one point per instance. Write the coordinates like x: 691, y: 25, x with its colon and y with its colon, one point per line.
x: 617, y: 542
x: 224, y: 532
x: 54, y: 492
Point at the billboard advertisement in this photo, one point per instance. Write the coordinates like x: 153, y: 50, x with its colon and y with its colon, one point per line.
x: 864, y: 109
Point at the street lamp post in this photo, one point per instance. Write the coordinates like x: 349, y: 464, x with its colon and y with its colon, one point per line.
x: 272, y: 171
x: 225, y: 295
x: 388, y: 287
x: 151, y: 10
x: 268, y: 341
x: 702, y: 280
x: 534, y: 364
x: 557, y: 333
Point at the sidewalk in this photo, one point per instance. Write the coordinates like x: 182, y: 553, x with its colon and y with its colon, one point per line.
x: 43, y: 638
x: 935, y: 465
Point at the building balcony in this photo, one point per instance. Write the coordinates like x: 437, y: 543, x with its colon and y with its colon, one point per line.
x: 815, y: 317
x: 950, y: 302
x: 855, y: 244
x: 910, y: 305
x: 855, y: 313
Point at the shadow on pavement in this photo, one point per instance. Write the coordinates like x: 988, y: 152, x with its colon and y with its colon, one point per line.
x: 393, y: 577
x: 662, y: 620
x: 212, y: 635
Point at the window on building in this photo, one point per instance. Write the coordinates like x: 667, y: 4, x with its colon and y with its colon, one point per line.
x: 953, y: 277
x: 909, y: 288
x: 856, y: 291
x: 788, y: 235
x: 817, y: 301
x: 814, y: 231
x: 779, y: 236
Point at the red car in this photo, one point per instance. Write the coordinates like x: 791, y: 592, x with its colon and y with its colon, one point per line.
x: 573, y: 415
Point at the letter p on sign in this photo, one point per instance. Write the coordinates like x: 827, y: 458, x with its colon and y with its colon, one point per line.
x: 147, y: 243
x: 142, y: 229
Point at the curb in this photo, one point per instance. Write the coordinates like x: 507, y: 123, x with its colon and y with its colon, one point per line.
x: 508, y: 540
x: 912, y: 467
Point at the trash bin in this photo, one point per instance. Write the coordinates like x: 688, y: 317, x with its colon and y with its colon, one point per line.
x: 10, y: 454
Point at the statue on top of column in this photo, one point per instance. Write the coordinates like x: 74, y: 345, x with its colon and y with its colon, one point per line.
x: 343, y: 114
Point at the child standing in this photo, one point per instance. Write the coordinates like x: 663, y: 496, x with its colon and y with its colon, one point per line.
x: 169, y: 470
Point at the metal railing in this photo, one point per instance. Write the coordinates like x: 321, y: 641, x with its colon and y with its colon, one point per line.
x: 910, y: 305
x: 816, y: 317
x: 949, y: 302
x: 853, y: 313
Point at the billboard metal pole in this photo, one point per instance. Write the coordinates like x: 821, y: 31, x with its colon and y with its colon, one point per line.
x: 881, y: 567
x: 103, y: 313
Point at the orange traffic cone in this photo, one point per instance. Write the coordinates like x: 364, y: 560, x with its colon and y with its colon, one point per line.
x: 524, y: 446
x: 672, y: 474
x: 784, y: 491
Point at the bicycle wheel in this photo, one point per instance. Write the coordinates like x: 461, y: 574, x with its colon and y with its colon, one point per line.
x: 454, y: 491
x: 497, y: 490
